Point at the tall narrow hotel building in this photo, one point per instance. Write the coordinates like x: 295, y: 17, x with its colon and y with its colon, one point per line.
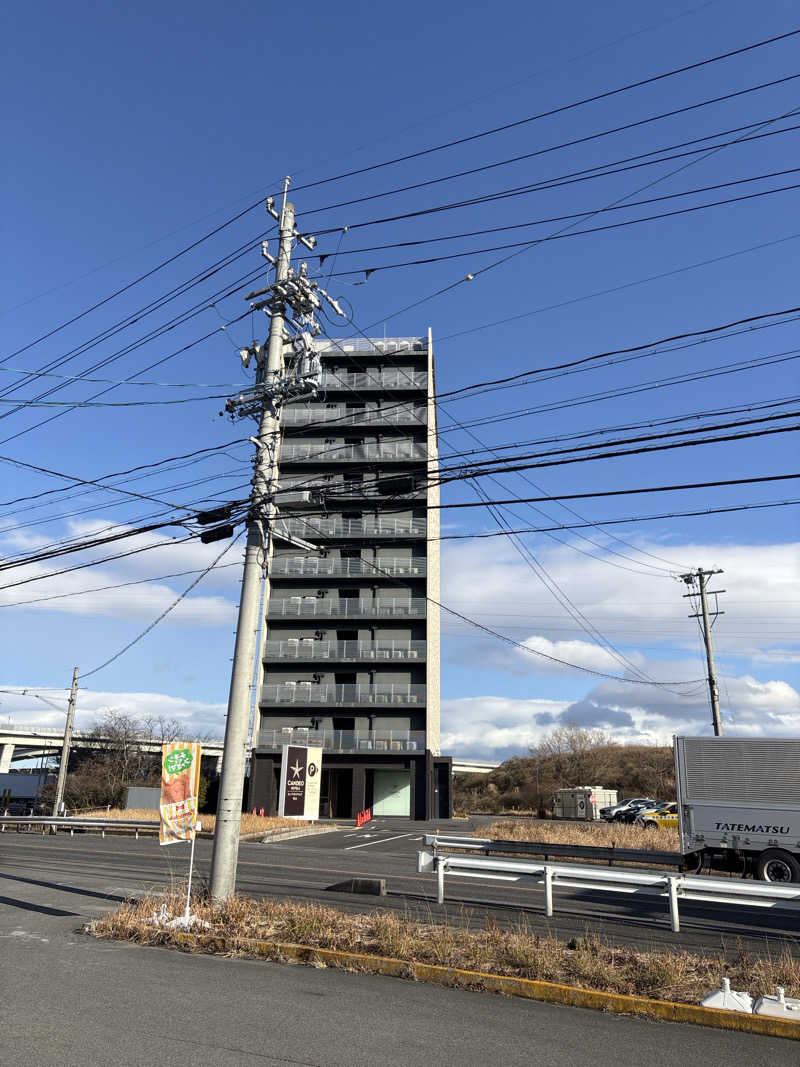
x: 351, y: 649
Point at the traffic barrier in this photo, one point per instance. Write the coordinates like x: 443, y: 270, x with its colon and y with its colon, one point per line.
x: 363, y: 817
x: 672, y: 886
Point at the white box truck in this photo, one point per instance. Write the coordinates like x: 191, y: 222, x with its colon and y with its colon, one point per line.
x: 739, y: 804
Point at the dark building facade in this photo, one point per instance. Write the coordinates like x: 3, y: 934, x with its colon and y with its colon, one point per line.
x: 351, y: 651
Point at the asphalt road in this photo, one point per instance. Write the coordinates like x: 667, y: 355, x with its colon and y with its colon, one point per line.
x: 304, y: 867
x: 67, y: 999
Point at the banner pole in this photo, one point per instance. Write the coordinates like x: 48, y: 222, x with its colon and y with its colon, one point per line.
x: 191, y: 868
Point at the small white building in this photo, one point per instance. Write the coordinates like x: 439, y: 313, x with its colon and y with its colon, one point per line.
x: 582, y: 802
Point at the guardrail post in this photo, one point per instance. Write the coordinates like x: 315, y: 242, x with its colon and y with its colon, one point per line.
x: 548, y: 892
x: 440, y: 874
x: 673, y: 903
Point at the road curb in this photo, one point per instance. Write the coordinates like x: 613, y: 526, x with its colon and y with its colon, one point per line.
x: 288, y: 835
x: 552, y: 992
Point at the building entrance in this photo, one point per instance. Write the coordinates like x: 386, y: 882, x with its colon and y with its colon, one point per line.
x: 336, y: 793
x: 391, y: 793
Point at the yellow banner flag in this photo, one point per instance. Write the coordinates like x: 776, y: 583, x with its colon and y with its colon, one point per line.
x: 180, y: 780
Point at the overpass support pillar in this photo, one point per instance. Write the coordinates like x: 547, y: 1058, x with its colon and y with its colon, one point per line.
x: 6, y: 752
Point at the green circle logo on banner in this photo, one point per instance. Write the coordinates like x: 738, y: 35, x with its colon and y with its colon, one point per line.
x: 177, y: 761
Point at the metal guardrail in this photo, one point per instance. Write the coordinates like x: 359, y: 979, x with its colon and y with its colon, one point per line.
x: 674, y: 887
x: 68, y: 823
x: 610, y: 853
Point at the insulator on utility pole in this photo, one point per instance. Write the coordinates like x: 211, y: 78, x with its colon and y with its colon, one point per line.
x: 700, y: 577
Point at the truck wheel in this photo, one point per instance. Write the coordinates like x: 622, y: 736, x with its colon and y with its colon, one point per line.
x: 650, y: 824
x: 775, y: 865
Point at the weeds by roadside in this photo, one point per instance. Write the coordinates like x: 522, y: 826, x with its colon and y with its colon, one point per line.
x: 251, y: 824
x: 236, y: 927
x: 581, y: 833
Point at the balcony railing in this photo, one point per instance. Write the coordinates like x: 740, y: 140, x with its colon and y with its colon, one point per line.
x: 380, y: 650
x: 371, y: 526
x: 377, y: 346
x: 345, y: 740
x: 375, y: 379
x: 325, y: 607
x: 340, y: 695
x: 312, y: 566
x: 319, y: 452
x: 295, y: 415
x: 341, y: 487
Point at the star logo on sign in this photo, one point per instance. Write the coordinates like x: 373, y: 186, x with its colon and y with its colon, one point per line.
x: 296, y: 769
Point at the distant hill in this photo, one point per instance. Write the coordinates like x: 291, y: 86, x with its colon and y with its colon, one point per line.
x: 569, y: 757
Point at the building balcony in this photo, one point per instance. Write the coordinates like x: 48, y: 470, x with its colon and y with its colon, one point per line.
x: 382, y: 650
x: 379, y: 379
x: 369, y: 527
x: 344, y: 740
x: 328, y: 608
x: 340, y: 696
x: 340, y: 487
x: 319, y: 453
x: 314, y: 567
x: 318, y: 414
x: 376, y: 346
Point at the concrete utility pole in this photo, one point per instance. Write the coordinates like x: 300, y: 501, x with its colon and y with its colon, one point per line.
x: 231, y: 786
x: 64, y: 761
x: 277, y: 383
x: 701, y: 578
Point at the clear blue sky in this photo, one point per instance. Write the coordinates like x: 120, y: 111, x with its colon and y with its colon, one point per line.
x: 131, y: 132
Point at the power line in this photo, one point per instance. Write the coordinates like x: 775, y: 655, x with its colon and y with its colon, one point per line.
x: 373, y: 269
x: 163, y: 615
x: 628, y: 519
x: 606, y: 94
x: 105, y: 588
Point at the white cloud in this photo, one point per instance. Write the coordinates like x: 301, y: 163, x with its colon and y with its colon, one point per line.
x: 488, y: 581
x: 497, y: 727
x: 195, y: 716
x: 135, y: 602
x: 581, y: 653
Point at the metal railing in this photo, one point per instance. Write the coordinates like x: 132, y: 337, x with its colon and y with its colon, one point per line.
x: 386, y: 452
x: 375, y: 379
x: 46, y: 822
x: 324, y: 607
x: 341, y: 694
x: 314, y: 566
x: 377, y: 346
x: 408, y: 415
x: 370, y: 526
x: 673, y: 887
x: 345, y: 740
x: 340, y: 651
x: 381, y: 489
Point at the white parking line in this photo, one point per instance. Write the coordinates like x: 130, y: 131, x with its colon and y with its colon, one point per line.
x: 377, y: 841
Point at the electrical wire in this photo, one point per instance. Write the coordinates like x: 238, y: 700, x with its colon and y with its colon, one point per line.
x: 163, y: 615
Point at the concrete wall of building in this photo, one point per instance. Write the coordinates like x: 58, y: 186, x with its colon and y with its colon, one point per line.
x: 433, y: 622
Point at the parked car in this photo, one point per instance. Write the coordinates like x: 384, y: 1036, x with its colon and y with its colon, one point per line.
x: 665, y: 814
x: 617, y: 812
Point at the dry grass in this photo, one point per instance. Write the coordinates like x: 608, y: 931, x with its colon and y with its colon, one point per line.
x: 594, y: 833
x: 251, y: 824
x: 517, y: 952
